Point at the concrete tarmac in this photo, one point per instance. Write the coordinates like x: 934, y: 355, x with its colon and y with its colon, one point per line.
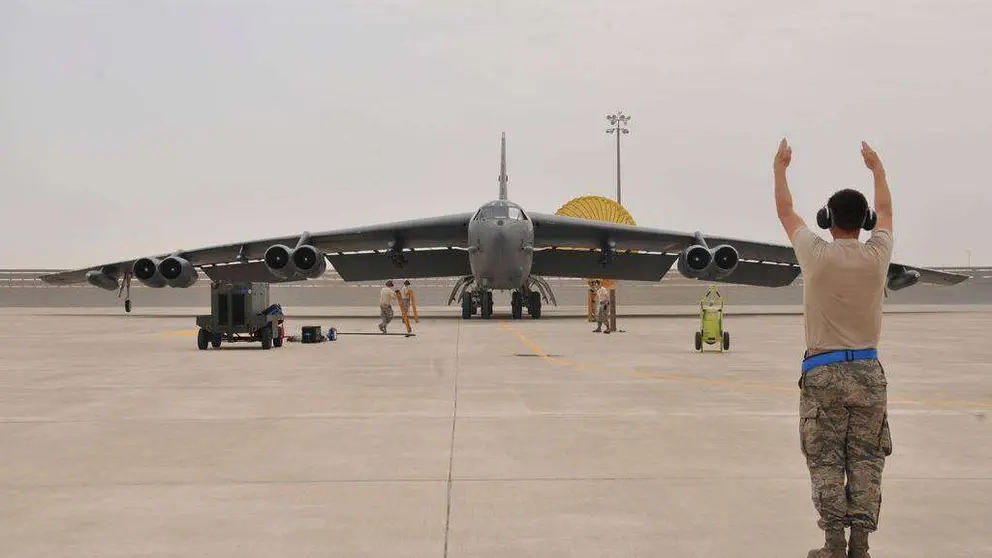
x: 474, y: 438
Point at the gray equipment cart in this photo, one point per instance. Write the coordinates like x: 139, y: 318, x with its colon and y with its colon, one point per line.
x: 240, y: 312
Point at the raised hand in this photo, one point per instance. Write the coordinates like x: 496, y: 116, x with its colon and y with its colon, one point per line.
x: 872, y: 161
x: 784, y: 155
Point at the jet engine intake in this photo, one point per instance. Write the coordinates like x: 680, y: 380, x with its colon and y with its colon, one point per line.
x: 726, y: 259
x: 178, y: 272
x: 700, y: 262
x: 146, y: 270
x: 309, y: 262
x: 279, y: 261
x: 903, y: 278
x: 695, y: 262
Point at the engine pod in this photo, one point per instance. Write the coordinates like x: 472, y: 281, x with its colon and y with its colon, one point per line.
x: 146, y: 271
x: 726, y: 258
x: 279, y: 261
x: 308, y: 261
x: 695, y: 261
x: 178, y: 272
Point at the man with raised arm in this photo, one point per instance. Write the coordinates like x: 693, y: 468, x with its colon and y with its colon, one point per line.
x: 843, y: 422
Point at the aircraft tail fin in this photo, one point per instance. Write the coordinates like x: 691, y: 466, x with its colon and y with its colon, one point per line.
x: 503, y: 179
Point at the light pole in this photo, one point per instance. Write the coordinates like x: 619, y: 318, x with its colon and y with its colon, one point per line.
x: 617, y: 122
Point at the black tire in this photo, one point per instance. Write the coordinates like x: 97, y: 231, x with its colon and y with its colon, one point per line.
x: 467, y: 309
x: 202, y: 338
x: 215, y: 341
x: 277, y: 342
x: 726, y: 340
x: 699, y: 341
x: 127, y: 305
x: 266, y: 335
x: 487, y: 305
x: 517, y: 305
x: 534, y: 305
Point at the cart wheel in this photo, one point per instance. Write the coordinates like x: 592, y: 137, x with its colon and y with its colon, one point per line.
x: 266, y: 335
x: 202, y: 338
x: 726, y: 340
x: 215, y: 341
x: 277, y: 342
x: 699, y: 341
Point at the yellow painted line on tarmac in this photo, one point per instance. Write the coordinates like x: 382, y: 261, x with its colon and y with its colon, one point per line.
x: 181, y: 332
x: 716, y: 382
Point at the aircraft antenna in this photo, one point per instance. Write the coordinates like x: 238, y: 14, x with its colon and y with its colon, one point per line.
x: 503, y: 179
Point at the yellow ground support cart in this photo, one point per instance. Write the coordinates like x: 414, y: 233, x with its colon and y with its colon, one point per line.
x: 711, y: 321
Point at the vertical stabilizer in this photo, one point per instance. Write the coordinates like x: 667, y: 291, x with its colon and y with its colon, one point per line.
x: 503, y: 179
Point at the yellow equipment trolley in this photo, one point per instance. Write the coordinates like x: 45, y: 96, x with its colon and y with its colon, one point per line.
x: 711, y: 322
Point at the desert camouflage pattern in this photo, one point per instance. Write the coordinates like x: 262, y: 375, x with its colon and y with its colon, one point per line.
x: 386, y: 313
x: 844, y: 430
x: 603, y: 315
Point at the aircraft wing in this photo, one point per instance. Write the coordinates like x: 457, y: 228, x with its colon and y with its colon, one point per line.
x: 442, y: 235
x: 647, y: 254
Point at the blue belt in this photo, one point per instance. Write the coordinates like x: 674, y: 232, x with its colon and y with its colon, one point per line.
x: 839, y: 356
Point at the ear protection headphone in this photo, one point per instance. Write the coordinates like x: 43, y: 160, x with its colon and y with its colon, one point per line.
x: 825, y: 221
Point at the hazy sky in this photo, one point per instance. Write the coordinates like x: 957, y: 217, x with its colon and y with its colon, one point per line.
x: 129, y: 128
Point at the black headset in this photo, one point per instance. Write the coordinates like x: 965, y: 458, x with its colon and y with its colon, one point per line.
x: 824, y: 220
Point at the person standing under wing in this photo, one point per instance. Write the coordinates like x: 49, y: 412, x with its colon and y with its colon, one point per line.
x: 843, y: 417
x: 602, y: 307
x: 386, y: 305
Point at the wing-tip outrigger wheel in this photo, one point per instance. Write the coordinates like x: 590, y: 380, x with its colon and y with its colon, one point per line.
x: 126, y: 289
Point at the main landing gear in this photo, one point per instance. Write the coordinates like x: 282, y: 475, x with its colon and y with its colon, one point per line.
x: 532, y: 295
x: 482, y: 303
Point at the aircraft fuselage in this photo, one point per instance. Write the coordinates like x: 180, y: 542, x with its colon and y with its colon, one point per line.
x: 501, y: 241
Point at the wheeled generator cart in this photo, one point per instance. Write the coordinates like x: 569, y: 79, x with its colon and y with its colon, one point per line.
x: 711, y: 322
x: 240, y: 312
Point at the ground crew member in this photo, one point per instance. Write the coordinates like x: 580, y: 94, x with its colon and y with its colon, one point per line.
x: 602, y: 300
x: 406, y: 293
x: 386, y: 305
x: 843, y: 417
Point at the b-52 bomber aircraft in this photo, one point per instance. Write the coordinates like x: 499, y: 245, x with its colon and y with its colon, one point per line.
x: 498, y: 247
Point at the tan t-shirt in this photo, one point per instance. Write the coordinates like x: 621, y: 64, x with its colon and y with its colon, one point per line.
x: 843, y: 288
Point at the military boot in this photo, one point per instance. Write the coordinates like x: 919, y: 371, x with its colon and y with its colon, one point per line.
x: 859, y: 543
x: 834, y: 547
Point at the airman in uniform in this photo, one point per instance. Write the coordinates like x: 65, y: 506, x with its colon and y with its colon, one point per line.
x: 843, y: 419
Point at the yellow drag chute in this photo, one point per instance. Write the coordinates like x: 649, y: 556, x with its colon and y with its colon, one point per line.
x: 597, y: 208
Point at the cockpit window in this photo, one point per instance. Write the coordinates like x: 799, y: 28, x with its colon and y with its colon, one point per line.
x: 500, y: 211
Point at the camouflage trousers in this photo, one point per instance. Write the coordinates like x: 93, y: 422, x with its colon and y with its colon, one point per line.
x: 386, y: 313
x: 844, y: 432
x: 602, y: 315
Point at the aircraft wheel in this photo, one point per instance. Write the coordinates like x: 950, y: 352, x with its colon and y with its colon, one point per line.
x: 467, y: 309
x: 266, y: 335
x: 127, y: 305
x: 534, y: 306
x: 202, y: 338
x: 487, y: 305
x: 517, y: 305
x: 699, y: 341
x: 726, y: 340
